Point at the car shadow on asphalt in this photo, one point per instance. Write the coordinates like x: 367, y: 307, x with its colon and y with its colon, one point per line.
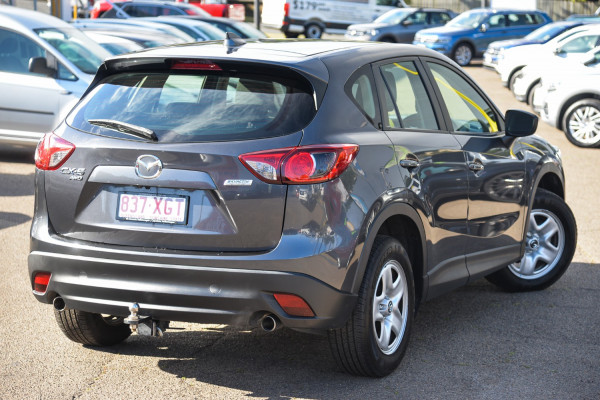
x: 8, y: 219
x: 474, y: 337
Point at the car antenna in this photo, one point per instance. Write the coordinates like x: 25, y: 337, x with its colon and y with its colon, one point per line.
x: 232, y: 42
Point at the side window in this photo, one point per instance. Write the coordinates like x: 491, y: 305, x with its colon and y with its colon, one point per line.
x: 407, y: 104
x: 497, y: 21
x: 437, y: 18
x: 417, y: 18
x: 468, y: 111
x: 520, y: 19
x: 16, y: 51
x: 581, y: 44
x: 537, y: 18
x: 391, y: 3
x: 170, y: 11
x: 360, y: 88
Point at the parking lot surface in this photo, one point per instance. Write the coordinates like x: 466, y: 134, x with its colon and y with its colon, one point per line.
x: 474, y: 343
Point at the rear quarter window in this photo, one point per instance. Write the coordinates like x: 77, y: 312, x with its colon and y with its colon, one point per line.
x: 197, y: 107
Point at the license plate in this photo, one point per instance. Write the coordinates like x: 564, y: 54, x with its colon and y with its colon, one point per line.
x: 150, y: 208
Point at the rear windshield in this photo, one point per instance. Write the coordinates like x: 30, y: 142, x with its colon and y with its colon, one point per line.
x: 196, y: 107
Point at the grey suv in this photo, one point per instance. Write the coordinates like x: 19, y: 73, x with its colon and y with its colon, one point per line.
x: 320, y: 186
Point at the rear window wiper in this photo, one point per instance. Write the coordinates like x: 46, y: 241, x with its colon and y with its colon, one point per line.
x: 126, y: 128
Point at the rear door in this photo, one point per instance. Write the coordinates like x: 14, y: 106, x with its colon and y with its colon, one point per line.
x: 186, y: 190
x: 496, y: 176
x: 432, y: 163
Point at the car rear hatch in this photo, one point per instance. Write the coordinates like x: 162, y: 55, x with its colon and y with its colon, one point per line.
x: 156, y: 160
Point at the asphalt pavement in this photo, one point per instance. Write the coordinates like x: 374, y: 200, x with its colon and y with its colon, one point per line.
x: 474, y: 343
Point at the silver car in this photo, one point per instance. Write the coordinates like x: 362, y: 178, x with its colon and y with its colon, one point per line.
x: 45, y: 66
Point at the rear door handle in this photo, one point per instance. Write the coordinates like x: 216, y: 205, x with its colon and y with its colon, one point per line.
x: 476, y: 166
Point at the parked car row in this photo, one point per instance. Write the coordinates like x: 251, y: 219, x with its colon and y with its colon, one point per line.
x: 46, y: 64
x: 566, y: 95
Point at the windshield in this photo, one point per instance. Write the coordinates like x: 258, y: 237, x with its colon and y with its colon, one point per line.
x: 393, y: 17
x: 546, y: 33
x: 469, y: 19
x: 83, y: 52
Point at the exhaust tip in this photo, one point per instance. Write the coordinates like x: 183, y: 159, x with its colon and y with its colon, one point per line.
x: 269, y: 323
x: 59, y: 303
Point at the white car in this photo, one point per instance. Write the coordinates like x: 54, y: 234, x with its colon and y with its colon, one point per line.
x: 512, y: 60
x: 572, y: 103
x: 45, y: 66
x: 570, y: 50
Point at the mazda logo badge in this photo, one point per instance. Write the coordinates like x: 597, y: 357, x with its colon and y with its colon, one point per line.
x: 148, y: 166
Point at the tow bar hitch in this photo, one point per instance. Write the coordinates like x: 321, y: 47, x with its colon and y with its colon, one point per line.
x: 144, y: 326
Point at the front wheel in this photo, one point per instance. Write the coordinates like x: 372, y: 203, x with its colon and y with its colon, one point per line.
x: 373, y: 341
x: 313, y: 31
x: 581, y: 123
x: 463, y: 54
x: 90, y: 328
x: 550, y: 244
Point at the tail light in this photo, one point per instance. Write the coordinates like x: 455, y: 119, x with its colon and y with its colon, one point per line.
x: 52, y: 151
x: 300, y: 165
x: 40, y: 281
x: 286, y: 10
x: 195, y: 64
x: 294, y: 305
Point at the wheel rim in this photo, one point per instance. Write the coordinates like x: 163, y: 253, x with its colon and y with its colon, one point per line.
x: 313, y: 31
x: 584, y: 125
x: 390, y: 307
x: 545, y: 243
x: 462, y: 55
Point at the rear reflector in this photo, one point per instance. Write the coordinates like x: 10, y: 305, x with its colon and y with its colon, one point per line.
x: 198, y: 65
x: 300, y: 165
x: 294, y: 305
x: 40, y: 282
x: 52, y: 151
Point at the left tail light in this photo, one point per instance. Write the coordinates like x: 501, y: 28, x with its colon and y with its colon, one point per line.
x: 52, y: 151
x: 300, y: 165
x: 40, y: 281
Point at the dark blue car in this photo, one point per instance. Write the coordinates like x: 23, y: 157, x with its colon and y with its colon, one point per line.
x: 468, y: 35
x: 539, y: 36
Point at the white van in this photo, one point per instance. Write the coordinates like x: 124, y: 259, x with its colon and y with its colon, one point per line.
x: 312, y: 17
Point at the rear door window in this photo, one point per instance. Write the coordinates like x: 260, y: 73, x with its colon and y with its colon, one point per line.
x: 195, y: 107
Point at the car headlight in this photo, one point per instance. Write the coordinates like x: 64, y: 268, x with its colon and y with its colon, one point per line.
x: 441, y: 39
x: 373, y: 32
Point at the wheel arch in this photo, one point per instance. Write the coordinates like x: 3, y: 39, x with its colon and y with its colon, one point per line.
x: 570, y: 102
x: 530, y: 88
x: 402, y: 222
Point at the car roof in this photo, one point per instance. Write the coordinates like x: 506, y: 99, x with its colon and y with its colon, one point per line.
x: 292, y: 53
x: 19, y: 18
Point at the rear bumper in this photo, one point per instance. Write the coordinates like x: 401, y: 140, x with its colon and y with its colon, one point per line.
x: 174, y: 292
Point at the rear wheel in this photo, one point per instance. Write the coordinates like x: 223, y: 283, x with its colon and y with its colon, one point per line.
x: 90, y: 328
x: 582, y: 123
x: 550, y: 244
x: 373, y: 341
x: 463, y: 54
x: 313, y: 31
x: 531, y: 92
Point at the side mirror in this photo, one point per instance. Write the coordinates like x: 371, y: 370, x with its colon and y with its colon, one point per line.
x: 39, y: 65
x: 406, y: 23
x: 483, y: 28
x: 557, y: 50
x: 520, y: 123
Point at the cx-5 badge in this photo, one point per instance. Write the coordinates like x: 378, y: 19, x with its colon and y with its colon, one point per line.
x: 148, y: 166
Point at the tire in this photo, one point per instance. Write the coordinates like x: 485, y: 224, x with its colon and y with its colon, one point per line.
x: 291, y: 35
x: 313, y: 31
x: 581, y: 123
x: 91, y: 329
x: 512, y: 80
x: 463, y: 54
x: 535, y: 272
x: 374, y: 339
x: 531, y: 92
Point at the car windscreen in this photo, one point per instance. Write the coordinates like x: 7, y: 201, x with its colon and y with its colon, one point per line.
x: 82, y: 51
x: 393, y: 17
x: 546, y: 33
x: 469, y: 19
x: 197, y: 106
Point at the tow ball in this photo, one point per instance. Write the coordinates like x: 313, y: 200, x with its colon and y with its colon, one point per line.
x: 144, y: 326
